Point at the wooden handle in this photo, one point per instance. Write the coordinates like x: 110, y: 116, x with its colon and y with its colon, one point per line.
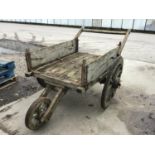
x: 78, y: 34
x: 122, y: 44
x: 104, y: 31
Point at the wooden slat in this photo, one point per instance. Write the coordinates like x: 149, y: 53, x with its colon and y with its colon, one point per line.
x: 105, y: 31
x: 84, y: 74
x: 67, y: 69
x: 7, y: 82
x: 7, y: 85
x: 28, y: 60
x: 57, y: 82
x: 48, y: 54
x: 122, y: 44
x: 99, y: 66
x: 18, y: 45
x: 78, y: 34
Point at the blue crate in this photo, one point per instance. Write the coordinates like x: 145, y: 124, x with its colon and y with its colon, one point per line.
x: 3, y: 72
x: 7, y: 64
x: 7, y: 73
x: 7, y: 69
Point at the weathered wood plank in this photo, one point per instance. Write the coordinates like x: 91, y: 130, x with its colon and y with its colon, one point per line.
x: 78, y: 34
x: 84, y: 74
x: 28, y: 60
x: 67, y: 69
x: 18, y: 45
x: 99, y: 66
x: 105, y: 31
x: 122, y: 44
x: 57, y: 82
x: 48, y: 54
x: 56, y: 99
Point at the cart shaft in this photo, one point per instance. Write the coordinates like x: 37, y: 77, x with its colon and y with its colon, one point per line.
x: 122, y: 44
x: 59, y: 94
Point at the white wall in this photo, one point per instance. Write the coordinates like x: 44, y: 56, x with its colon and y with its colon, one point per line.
x: 136, y: 24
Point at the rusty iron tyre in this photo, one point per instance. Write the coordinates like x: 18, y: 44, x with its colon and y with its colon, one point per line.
x: 41, y: 82
x: 112, y: 83
x: 36, y: 112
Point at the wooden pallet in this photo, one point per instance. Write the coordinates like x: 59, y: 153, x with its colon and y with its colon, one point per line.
x: 7, y: 82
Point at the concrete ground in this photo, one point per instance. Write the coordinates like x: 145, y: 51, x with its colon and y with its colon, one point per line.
x: 132, y: 110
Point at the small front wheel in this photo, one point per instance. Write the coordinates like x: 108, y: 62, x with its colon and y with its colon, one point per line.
x: 36, y: 112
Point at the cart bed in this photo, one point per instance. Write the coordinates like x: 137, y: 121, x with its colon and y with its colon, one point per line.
x: 63, y: 65
x: 67, y: 69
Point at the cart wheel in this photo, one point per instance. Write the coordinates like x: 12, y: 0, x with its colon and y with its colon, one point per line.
x: 35, y: 113
x: 112, y: 83
x: 41, y: 82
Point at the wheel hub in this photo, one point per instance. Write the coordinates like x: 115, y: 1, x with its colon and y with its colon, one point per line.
x: 36, y: 112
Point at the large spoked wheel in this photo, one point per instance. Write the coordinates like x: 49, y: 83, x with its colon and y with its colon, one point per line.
x: 36, y: 112
x: 112, y: 83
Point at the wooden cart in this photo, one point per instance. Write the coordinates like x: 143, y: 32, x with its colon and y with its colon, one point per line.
x: 61, y: 67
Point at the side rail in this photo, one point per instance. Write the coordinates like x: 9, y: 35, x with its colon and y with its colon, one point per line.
x: 100, y: 31
x: 122, y: 44
x: 18, y: 45
x: 95, y: 70
x: 105, y: 31
x: 39, y: 57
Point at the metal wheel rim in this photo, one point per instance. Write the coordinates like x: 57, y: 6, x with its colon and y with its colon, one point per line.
x: 113, y: 84
x: 110, y: 93
x: 117, y: 77
x: 35, y: 113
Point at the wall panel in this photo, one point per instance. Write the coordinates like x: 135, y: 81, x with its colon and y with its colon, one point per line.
x: 136, y: 24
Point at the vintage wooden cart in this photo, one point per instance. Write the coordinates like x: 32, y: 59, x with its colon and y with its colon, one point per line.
x: 61, y: 67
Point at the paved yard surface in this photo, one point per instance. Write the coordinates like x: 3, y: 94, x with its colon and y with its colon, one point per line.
x: 132, y: 110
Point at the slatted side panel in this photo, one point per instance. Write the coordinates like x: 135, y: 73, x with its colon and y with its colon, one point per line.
x: 48, y: 54
x: 99, y: 66
x: 18, y: 45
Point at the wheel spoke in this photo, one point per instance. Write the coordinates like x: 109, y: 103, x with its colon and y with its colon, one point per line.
x: 35, y: 113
